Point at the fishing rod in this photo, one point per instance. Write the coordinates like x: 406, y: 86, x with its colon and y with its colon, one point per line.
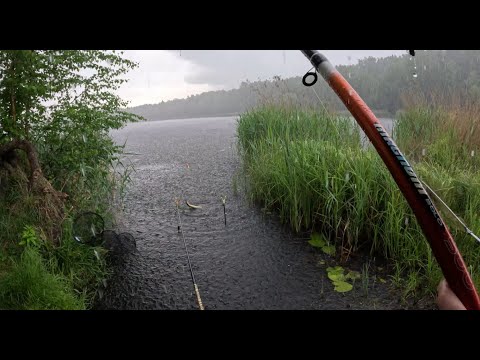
x: 436, y: 231
x: 180, y: 230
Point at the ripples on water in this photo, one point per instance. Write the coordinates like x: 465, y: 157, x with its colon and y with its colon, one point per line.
x: 253, y: 263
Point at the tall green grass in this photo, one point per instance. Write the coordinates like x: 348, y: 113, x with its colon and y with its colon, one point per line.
x: 312, y: 168
x: 69, y: 273
x: 29, y: 285
x: 43, y: 276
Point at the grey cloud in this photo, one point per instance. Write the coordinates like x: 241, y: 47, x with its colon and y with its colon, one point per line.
x: 228, y: 68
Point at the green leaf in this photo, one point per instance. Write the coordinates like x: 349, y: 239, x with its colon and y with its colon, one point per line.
x: 336, y: 270
x: 336, y: 277
x: 317, y: 240
x: 335, y: 273
x: 329, y: 250
x: 353, y: 275
x: 342, y: 286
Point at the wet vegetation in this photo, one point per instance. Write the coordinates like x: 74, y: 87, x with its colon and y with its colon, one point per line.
x: 312, y: 169
x: 56, y: 160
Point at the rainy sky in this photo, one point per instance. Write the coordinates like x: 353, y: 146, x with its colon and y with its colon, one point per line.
x: 164, y: 75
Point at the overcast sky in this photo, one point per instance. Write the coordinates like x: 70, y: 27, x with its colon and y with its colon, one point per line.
x: 169, y: 74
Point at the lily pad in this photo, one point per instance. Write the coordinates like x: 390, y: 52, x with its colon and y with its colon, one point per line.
x: 329, y: 250
x: 336, y: 270
x: 336, y: 273
x: 317, y: 240
x: 336, y: 277
x: 342, y: 286
x: 354, y: 275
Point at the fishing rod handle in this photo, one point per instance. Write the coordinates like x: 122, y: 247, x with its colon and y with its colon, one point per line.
x: 436, y: 231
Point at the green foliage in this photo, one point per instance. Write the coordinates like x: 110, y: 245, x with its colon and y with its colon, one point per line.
x: 314, y: 171
x: 64, y: 102
x: 319, y: 241
x: 329, y: 250
x: 340, y: 280
x: 76, y: 264
x: 29, y: 237
x: 77, y: 84
x: 79, y: 264
x: 28, y: 285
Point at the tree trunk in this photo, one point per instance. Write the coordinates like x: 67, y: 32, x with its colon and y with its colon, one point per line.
x: 51, y: 201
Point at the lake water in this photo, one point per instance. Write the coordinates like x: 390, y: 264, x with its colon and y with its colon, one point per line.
x: 252, y: 263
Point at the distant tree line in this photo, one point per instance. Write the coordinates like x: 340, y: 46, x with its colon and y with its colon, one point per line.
x: 382, y: 83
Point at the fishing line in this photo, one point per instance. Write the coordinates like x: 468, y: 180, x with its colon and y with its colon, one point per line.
x: 320, y: 100
x: 180, y: 230
x: 467, y: 230
x: 304, y: 82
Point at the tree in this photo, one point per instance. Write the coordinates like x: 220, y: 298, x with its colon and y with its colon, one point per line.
x: 57, y: 106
